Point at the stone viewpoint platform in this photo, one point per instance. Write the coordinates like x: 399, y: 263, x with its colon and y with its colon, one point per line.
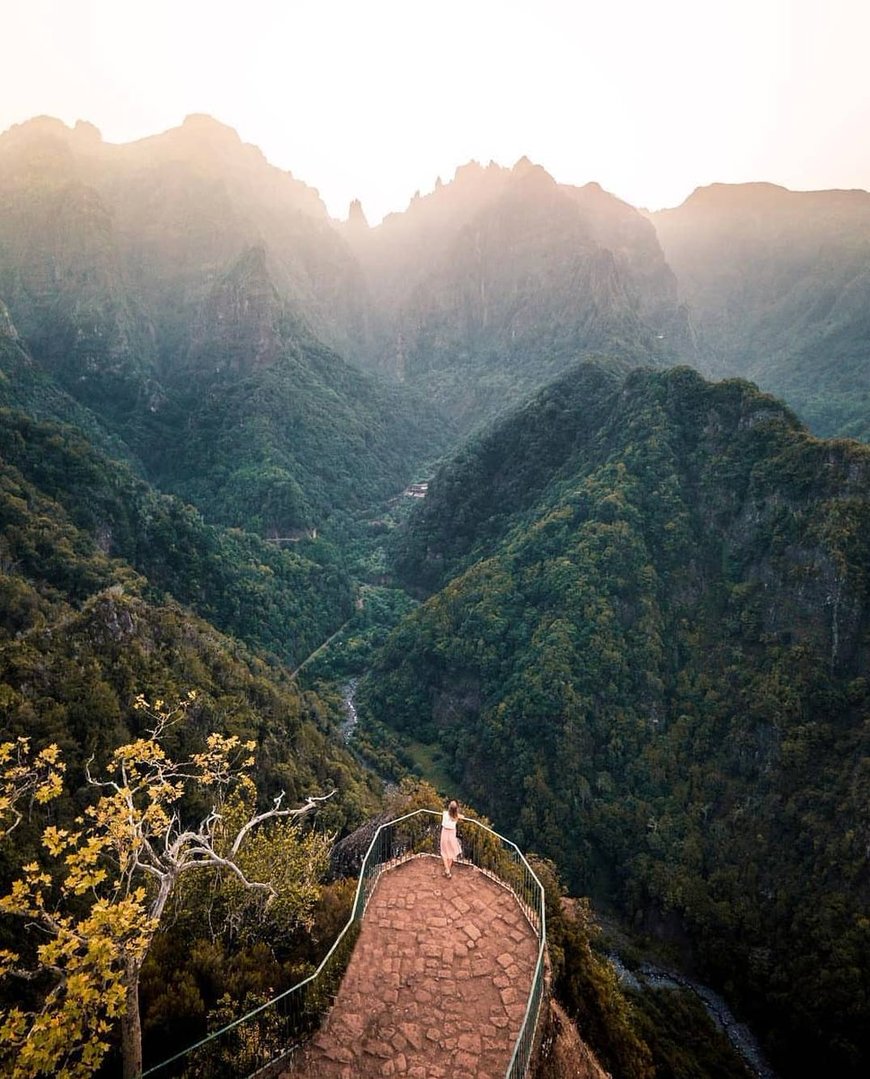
x: 437, y: 985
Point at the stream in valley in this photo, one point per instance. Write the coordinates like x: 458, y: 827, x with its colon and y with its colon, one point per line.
x: 351, y: 718
x: 648, y: 976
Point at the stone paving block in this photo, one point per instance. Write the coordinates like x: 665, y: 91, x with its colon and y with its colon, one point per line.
x: 470, y: 1043
x: 378, y: 1049
x: 338, y: 1053
x: 412, y: 1035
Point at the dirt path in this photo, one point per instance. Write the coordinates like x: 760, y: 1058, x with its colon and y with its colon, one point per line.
x: 320, y: 647
x: 437, y: 985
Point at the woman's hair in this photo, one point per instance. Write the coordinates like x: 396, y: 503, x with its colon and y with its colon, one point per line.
x: 453, y: 809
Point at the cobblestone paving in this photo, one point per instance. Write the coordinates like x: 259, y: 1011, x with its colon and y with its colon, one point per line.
x: 437, y: 985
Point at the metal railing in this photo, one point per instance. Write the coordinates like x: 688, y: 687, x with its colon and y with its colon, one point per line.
x: 275, y: 1032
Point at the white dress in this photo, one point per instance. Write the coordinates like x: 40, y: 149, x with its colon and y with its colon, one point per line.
x: 450, y: 847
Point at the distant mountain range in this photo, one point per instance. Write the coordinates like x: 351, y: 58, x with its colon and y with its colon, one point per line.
x: 129, y: 269
x: 499, y: 280
x: 777, y: 284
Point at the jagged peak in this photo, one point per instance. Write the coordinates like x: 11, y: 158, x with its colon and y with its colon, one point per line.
x: 526, y: 170
x: 87, y: 131
x: 356, y: 217
x: 42, y: 124
x: 50, y: 131
x: 468, y: 170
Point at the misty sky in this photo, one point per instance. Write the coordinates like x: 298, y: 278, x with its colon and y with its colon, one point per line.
x: 375, y: 98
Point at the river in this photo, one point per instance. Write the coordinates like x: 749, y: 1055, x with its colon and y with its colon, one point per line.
x: 351, y: 718
x: 741, y: 1037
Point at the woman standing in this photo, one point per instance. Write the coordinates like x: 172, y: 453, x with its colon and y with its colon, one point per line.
x: 450, y: 848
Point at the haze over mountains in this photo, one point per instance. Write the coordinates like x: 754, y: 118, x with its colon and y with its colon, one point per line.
x: 643, y: 637
x: 480, y: 291
x: 778, y: 286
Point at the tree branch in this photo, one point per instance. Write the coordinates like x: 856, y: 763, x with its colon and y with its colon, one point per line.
x: 310, y: 804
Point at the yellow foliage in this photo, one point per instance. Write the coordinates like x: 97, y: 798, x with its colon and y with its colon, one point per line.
x: 96, y: 948
x: 21, y: 775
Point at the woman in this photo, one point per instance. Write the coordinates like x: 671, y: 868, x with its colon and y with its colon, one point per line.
x: 450, y: 848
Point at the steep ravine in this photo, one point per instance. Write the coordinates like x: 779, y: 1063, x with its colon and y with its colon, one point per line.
x: 648, y: 976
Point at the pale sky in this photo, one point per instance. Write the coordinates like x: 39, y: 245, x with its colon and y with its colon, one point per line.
x: 375, y: 98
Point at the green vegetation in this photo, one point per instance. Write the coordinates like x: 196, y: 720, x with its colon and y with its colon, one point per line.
x: 683, y: 1040
x: 189, y: 318
x: 654, y: 671
x: 279, y: 450
x: 70, y: 512
x: 377, y: 611
x: 649, y: 1034
x: 94, y: 568
x: 130, y: 854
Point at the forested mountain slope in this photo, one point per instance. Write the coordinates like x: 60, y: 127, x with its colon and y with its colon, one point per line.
x: 652, y: 664
x: 110, y: 249
x: 272, y: 431
x: 778, y: 286
x: 176, y: 287
x: 74, y: 657
x: 94, y: 511
x: 486, y: 288
x: 26, y: 387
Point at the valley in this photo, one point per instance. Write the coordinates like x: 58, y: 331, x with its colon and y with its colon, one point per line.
x: 477, y: 502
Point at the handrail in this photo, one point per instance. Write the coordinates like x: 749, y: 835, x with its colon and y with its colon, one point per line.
x: 260, y: 1038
